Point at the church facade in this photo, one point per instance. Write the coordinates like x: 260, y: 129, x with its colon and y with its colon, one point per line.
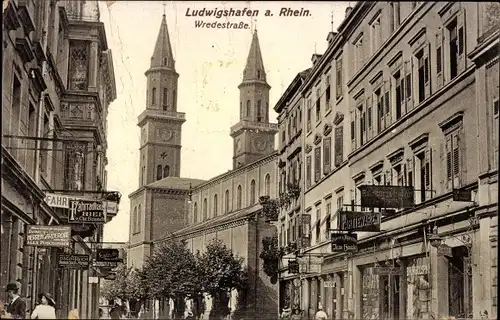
x: 225, y: 207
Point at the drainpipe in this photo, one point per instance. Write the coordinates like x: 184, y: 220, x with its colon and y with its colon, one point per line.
x: 256, y: 261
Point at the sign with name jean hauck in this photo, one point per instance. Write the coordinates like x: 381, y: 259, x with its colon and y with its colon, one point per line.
x: 108, y: 255
x: 73, y: 261
x: 86, y: 211
x: 344, y: 242
x: 48, y: 236
x: 360, y: 221
x: 387, y: 196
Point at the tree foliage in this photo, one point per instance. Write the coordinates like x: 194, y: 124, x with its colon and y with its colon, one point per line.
x: 271, y: 255
x: 127, y: 285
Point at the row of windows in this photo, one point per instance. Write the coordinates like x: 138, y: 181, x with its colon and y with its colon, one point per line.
x: 162, y: 171
x: 260, y: 116
x: 164, y: 102
x: 227, y: 201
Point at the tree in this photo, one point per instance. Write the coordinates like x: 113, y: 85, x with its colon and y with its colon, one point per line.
x: 221, y: 271
x: 127, y: 285
x: 271, y: 255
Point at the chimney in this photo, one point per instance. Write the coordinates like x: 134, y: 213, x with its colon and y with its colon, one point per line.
x: 348, y: 11
x: 315, y: 58
x: 331, y: 36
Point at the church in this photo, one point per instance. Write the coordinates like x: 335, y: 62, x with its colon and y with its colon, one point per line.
x: 225, y: 207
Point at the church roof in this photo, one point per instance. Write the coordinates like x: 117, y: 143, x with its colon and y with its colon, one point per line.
x: 163, y: 49
x: 177, y: 183
x: 255, y: 64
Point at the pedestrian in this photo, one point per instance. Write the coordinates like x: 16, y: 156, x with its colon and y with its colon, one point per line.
x: 17, y: 305
x: 46, y: 309
x: 286, y: 313
x: 115, y: 312
x: 3, y: 313
x: 320, y: 315
x: 296, y: 314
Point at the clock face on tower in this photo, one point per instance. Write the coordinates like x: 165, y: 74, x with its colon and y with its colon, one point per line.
x: 165, y: 134
x: 260, y: 144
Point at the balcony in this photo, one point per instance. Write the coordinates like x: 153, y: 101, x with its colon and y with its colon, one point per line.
x: 85, y: 11
x: 161, y: 114
x: 254, y: 125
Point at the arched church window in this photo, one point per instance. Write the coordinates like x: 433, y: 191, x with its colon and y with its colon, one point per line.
x: 226, y: 209
x: 165, y: 61
x: 139, y: 217
x: 134, y: 221
x: 252, y: 192
x: 165, y: 96
x: 159, y: 171
x: 216, y: 206
x: 267, y: 185
x: 258, y: 74
x: 266, y: 113
x: 241, y: 109
x: 174, y: 97
x: 195, y: 212
x: 166, y: 171
x: 205, y: 209
x: 249, y: 108
x: 238, y: 198
x: 259, y: 111
x: 153, y: 96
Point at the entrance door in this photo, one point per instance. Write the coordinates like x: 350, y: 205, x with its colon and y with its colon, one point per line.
x: 390, y: 303
x: 460, y: 281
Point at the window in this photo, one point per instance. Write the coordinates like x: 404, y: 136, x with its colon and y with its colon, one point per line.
x: 410, y: 167
x: 165, y: 103
x: 195, y: 212
x: 423, y: 75
x: 249, y: 109
x: 139, y: 218
x: 283, y: 135
x: 308, y: 171
x: 328, y: 220
x: 165, y: 61
x: 377, y: 179
x: 238, y: 198
x: 327, y: 154
x: 424, y: 175
x: 205, y: 209
x: 134, y: 221
x: 318, y: 105
x: 456, y: 45
x: 226, y: 199
x: 318, y: 225
x: 267, y: 185
x: 338, y: 83
x: 340, y: 202
x: 376, y: 34
x: 166, y: 171
x: 317, y: 164
x: 252, y: 192
x: 44, y: 145
x: 327, y: 94
x: 299, y: 112
x: 174, y: 96
x: 16, y: 107
x: 309, y: 116
x: 358, y: 53
x: 153, y: 96
x: 259, y: 111
x: 398, y: 170
x: 78, y: 65
x: 353, y: 130
x: 399, y: 94
x: 362, y: 124
x: 258, y: 74
x: 216, y: 206
x: 159, y: 172
x: 453, y: 160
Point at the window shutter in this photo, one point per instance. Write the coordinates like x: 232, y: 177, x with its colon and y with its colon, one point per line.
x: 409, y: 84
x: 339, y: 145
x: 405, y: 175
x: 439, y: 58
x: 317, y: 164
x: 388, y: 104
x: 308, y: 171
x: 456, y: 160
x: 353, y: 131
x: 411, y: 170
x: 369, y: 119
x: 448, y: 161
x: 327, y: 154
x: 461, y: 63
x: 428, y: 173
x: 427, y: 68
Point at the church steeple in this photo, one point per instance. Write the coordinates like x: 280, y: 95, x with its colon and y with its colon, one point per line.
x: 254, y: 69
x: 162, y: 55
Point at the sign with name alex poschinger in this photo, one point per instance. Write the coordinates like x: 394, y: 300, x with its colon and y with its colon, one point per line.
x: 344, y: 242
x: 73, y: 261
x: 86, y: 211
x: 360, y: 221
x: 48, y: 236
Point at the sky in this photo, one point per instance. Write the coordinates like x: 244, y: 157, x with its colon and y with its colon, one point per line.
x: 210, y: 63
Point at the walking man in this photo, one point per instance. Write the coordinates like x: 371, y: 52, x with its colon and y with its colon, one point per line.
x: 17, y: 305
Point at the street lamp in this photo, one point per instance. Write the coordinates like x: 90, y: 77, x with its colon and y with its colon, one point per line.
x: 434, y: 238
x: 190, y: 194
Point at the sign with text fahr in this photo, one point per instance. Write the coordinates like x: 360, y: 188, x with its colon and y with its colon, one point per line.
x: 387, y: 196
x: 48, y: 236
x: 108, y: 255
x: 86, y: 211
x: 73, y: 261
x: 344, y: 242
x: 360, y: 221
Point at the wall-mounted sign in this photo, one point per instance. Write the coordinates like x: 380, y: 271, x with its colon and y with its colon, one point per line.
x: 57, y: 200
x: 444, y: 250
x: 462, y: 195
x: 293, y: 266
x: 86, y: 211
x: 329, y: 284
x: 344, y: 242
x: 385, y: 271
x: 310, y: 264
x: 108, y: 255
x: 387, y: 196
x: 48, y: 236
x: 106, y: 264
x: 359, y: 221
x: 73, y: 261
x: 416, y: 270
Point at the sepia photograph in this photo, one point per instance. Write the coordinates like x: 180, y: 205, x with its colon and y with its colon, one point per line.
x: 249, y: 160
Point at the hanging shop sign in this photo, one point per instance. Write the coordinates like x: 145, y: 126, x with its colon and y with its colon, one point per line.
x: 329, y: 284
x: 86, y: 211
x: 387, y: 196
x: 344, y: 242
x: 386, y: 271
x: 55, y: 200
x: 106, y: 264
x: 444, y: 250
x: 73, y: 261
x: 293, y: 266
x: 48, y: 236
x: 111, y: 207
x: 310, y: 264
x: 359, y: 221
x: 112, y: 255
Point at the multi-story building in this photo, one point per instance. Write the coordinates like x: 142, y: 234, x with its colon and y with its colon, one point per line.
x: 419, y: 91
x: 57, y: 84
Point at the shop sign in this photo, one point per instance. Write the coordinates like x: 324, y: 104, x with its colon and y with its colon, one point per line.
x: 108, y: 255
x: 444, y: 250
x: 86, y: 211
x: 73, y: 261
x: 61, y: 200
x: 462, y: 195
x: 416, y: 270
x: 329, y: 284
x: 387, y: 196
x: 293, y: 266
x: 106, y: 264
x: 309, y: 264
x: 344, y: 242
x: 385, y: 271
x: 48, y: 236
x: 111, y: 207
x: 359, y: 221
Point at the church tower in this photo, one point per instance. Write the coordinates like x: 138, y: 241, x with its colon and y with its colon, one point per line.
x: 160, y: 123
x: 253, y: 135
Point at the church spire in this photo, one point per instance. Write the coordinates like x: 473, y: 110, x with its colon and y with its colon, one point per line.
x: 162, y: 55
x: 254, y: 69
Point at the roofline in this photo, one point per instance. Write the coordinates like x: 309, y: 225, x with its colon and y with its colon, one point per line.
x: 289, y: 92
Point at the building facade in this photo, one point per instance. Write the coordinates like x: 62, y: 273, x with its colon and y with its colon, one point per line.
x: 57, y: 84
x: 416, y: 84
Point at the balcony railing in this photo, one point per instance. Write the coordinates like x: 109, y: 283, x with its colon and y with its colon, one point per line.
x: 82, y: 10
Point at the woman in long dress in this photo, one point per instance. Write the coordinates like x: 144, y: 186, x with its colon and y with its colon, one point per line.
x: 46, y: 309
